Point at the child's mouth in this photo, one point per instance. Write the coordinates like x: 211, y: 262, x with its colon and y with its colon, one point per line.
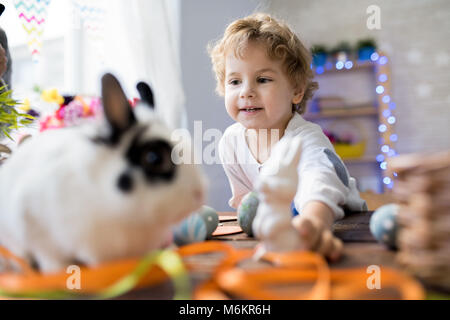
x: 250, y: 110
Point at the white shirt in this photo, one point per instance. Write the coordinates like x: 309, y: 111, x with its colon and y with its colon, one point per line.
x: 322, y: 174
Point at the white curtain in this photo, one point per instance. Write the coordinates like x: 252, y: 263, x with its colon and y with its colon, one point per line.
x: 141, y: 44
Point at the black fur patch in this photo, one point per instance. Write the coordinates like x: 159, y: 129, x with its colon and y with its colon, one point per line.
x: 102, y: 140
x: 153, y: 157
x: 33, y: 262
x: 77, y: 262
x: 146, y: 93
x: 125, y: 182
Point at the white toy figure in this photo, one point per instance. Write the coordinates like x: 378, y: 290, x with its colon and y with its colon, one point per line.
x: 96, y: 193
x: 277, y: 186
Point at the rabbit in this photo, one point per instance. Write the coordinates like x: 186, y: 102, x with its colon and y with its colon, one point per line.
x: 100, y: 192
x: 276, y: 187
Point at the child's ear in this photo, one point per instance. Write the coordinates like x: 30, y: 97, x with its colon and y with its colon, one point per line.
x: 298, y: 96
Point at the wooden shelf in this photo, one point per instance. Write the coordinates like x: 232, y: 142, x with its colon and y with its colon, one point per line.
x: 369, y: 112
x: 362, y: 160
x: 365, y: 110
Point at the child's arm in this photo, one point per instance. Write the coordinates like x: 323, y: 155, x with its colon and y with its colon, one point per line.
x: 236, y: 178
x: 315, y: 226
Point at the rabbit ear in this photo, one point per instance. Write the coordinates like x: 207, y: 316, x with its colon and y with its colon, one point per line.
x: 116, y: 107
x: 146, y: 93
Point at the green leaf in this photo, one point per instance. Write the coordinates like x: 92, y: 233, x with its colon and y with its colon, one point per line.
x: 7, y: 134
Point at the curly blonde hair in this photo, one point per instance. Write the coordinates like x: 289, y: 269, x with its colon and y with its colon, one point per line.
x: 281, y: 43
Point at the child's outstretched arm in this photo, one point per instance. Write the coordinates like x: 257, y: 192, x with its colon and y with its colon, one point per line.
x: 239, y: 184
x: 315, y: 227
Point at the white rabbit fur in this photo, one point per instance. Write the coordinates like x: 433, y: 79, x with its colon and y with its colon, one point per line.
x: 60, y: 203
x: 277, y: 186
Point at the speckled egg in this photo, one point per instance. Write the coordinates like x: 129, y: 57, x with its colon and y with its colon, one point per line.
x: 247, y: 212
x: 211, y: 219
x: 383, y: 224
x: 190, y: 230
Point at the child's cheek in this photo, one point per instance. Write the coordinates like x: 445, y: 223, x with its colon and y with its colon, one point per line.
x: 230, y: 108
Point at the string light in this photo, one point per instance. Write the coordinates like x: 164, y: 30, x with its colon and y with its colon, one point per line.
x: 391, y: 153
x: 386, y: 149
x: 387, y: 107
x: 379, y: 89
x: 383, y: 60
x: 382, y: 78
x: 391, y: 120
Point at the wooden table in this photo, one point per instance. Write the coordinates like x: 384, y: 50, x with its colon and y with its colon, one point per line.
x: 360, y: 250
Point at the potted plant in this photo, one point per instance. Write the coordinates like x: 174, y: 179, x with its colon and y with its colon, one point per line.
x: 365, y: 48
x: 342, y: 52
x: 10, y: 118
x: 319, y: 54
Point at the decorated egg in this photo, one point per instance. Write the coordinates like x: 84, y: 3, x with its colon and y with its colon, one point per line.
x: 383, y: 224
x: 247, y: 212
x: 211, y: 219
x: 190, y: 230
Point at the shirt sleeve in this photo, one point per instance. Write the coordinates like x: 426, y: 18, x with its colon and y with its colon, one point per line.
x: 322, y: 175
x: 321, y: 184
x: 234, y: 173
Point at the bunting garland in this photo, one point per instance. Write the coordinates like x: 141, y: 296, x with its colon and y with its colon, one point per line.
x: 33, y: 15
x: 92, y: 17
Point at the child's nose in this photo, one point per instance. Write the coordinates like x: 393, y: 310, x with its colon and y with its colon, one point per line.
x: 247, y: 92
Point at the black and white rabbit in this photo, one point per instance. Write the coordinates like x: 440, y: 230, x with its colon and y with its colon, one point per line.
x: 96, y: 193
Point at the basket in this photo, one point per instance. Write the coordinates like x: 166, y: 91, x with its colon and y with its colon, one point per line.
x: 421, y: 188
x: 345, y: 150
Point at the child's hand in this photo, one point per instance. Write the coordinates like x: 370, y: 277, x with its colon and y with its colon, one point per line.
x: 314, y: 225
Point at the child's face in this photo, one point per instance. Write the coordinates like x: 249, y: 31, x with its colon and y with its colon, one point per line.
x: 259, y: 83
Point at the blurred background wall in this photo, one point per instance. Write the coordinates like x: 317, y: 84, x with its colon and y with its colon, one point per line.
x: 203, y: 21
x: 414, y: 35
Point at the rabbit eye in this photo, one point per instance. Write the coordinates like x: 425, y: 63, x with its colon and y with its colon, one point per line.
x: 154, y: 157
x: 157, y: 158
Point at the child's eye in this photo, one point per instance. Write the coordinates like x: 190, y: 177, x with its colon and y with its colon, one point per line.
x: 234, y: 82
x: 264, y: 80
